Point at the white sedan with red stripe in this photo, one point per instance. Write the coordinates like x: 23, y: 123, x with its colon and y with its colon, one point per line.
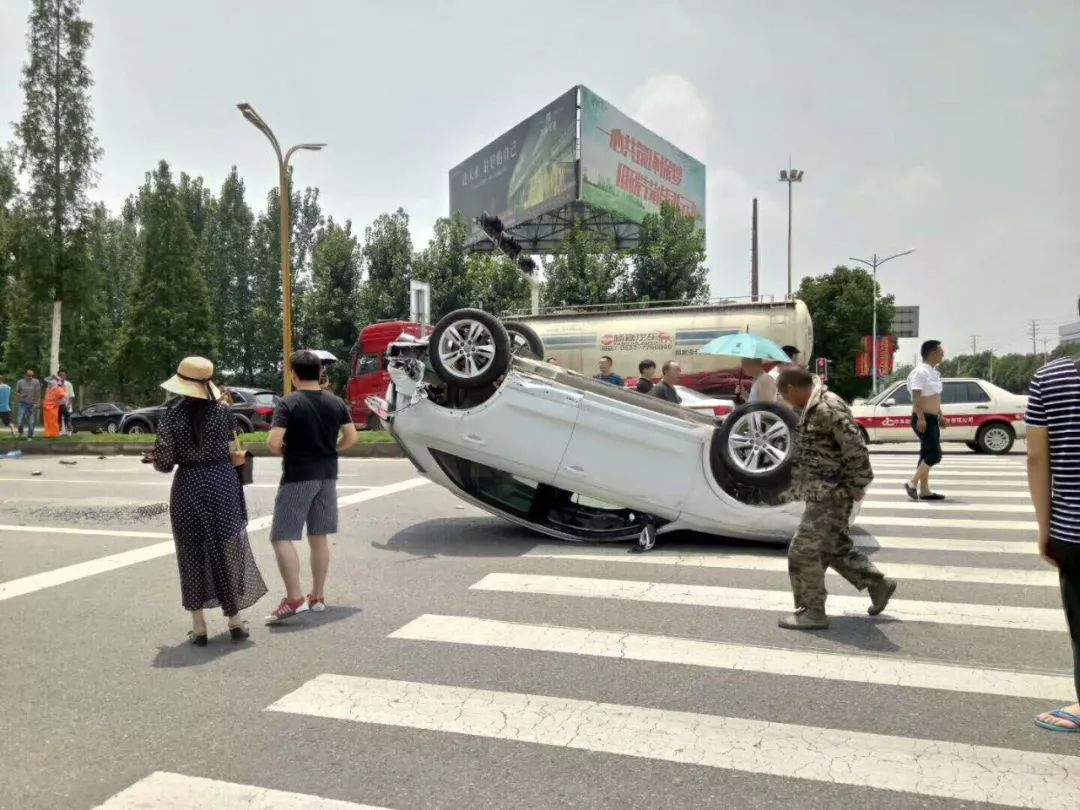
x: 986, y: 418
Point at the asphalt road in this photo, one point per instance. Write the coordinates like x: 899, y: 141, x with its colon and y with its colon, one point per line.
x: 466, y: 664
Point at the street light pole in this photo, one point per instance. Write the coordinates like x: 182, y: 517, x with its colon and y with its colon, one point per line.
x: 789, y: 176
x: 283, y: 226
x: 874, y: 263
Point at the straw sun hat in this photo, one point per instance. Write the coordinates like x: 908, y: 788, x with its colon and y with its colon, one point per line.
x: 192, y: 379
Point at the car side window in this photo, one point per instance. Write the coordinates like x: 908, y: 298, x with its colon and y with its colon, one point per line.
x: 93, y: 410
x: 954, y: 393
x: 368, y: 364
x: 266, y: 399
x: 238, y: 398
x: 975, y: 393
x: 901, y: 396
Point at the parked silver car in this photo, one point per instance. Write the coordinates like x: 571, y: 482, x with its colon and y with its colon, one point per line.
x: 575, y: 458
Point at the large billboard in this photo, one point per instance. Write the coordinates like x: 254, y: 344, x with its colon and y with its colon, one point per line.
x: 526, y: 172
x: 629, y: 170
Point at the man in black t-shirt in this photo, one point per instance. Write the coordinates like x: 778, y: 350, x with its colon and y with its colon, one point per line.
x: 665, y: 389
x: 646, y: 371
x: 310, y: 427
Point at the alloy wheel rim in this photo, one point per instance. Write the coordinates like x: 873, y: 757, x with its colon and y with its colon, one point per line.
x: 467, y: 348
x: 760, y: 442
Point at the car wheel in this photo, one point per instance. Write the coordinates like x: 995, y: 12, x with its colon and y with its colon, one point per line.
x: 469, y: 349
x: 756, y: 442
x: 524, y: 342
x: 973, y: 446
x: 137, y: 428
x: 864, y: 434
x: 996, y: 438
x: 243, y: 426
x: 112, y: 427
x: 373, y: 422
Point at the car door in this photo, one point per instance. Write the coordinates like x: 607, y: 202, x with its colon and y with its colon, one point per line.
x: 632, y: 457
x: 892, y: 416
x: 961, y: 402
x: 87, y: 419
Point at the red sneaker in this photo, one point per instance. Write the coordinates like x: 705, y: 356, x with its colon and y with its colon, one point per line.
x: 287, y: 610
x: 316, y: 604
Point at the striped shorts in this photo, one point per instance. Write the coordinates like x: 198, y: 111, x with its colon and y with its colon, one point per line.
x: 305, y: 502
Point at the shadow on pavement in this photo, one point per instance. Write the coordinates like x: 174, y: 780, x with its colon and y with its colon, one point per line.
x: 863, y: 633
x: 461, y: 537
x: 313, y: 621
x: 186, y: 654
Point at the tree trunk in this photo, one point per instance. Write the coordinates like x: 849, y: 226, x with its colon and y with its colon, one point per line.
x: 54, y: 348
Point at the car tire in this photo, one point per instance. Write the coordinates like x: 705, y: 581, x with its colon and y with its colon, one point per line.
x: 755, y: 444
x: 973, y: 446
x: 138, y: 427
x: 524, y: 342
x: 373, y: 422
x: 112, y: 427
x: 864, y: 434
x: 243, y: 425
x: 469, y: 349
x: 995, y: 438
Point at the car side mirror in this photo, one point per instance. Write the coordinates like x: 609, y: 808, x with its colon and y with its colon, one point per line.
x: 889, y: 403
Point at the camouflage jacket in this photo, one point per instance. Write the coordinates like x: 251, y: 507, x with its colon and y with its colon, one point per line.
x: 830, y: 454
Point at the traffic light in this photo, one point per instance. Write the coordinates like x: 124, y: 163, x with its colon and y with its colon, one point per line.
x: 823, y: 368
x: 526, y: 264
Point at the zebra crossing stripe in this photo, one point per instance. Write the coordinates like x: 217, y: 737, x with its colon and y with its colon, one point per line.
x: 947, y: 506
x: 953, y: 613
x: 1019, y: 475
x: 173, y: 791
x: 947, y: 523
x: 866, y: 669
x: 885, y: 542
x: 897, y: 493
x: 5, y: 527
x: 1044, y: 577
x: 938, y: 768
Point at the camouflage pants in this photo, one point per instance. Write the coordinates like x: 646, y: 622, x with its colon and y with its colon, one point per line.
x: 822, y: 542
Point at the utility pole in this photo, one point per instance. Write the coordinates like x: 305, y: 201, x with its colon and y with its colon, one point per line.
x: 1034, y: 332
x: 974, y: 344
x: 789, y: 176
x: 874, y: 263
x: 1046, y: 342
x: 754, y: 254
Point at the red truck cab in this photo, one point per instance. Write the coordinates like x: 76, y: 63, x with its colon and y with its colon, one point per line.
x: 369, y: 375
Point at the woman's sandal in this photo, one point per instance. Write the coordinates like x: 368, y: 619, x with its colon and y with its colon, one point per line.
x: 198, y: 639
x: 239, y: 632
x: 1061, y: 714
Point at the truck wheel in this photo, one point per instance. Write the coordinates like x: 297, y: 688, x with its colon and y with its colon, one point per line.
x: 996, y: 438
x: 755, y: 443
x: 373, y: 422
x: 524, y: 342
x: 469, y: 348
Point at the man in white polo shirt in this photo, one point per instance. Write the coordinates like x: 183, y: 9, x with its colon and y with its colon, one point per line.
x: 927, y: 420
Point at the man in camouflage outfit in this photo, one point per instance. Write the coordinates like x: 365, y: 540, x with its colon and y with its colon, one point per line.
x: 830, y: 471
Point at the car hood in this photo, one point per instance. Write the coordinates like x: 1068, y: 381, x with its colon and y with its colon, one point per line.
x: 149, y: 409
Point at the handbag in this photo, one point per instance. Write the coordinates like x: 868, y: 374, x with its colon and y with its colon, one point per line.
x: 245, y: 470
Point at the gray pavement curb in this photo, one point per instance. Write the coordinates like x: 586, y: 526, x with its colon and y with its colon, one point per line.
x: 45, y: 448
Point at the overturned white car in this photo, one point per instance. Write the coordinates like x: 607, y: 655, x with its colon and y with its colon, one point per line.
x: 476, y: 410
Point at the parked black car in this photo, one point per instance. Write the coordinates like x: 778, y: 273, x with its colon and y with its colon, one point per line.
x: 254, y: 409
x: 102, y: 416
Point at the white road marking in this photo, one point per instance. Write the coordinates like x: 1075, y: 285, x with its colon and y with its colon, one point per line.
x: 927, y: 767
x: 947, y: 523
x: 947, y: 506
x: 165, y: 482
x: 1019, y: 475
x: 866, y: 669
x: 954, y: 613
x: 175, y: 791
x: 898, y: 493
x: 945, y: 544
x: 773, y: 563
x: 71, y: 573
x: 6, y: 527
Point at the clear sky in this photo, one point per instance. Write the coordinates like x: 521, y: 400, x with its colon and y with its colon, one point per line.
x: 949, y: 127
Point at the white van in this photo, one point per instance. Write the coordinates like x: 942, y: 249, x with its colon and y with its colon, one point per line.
x: 577, y: 338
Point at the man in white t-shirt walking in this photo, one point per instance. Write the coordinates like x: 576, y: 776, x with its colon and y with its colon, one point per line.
x: 927, y: 420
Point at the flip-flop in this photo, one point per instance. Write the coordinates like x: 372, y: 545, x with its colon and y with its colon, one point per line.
x: 1061, y: 714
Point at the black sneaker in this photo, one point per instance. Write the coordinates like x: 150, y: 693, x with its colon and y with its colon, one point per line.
x: 911, y: 492
x: 932, y: 496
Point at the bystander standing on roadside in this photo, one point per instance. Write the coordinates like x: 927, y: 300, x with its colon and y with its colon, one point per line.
x: 309, y: 428
x: 606, y: 375
x: 665, y: 389
x: 646, y: 372
x: 927, y: 420
x: 5, y: 406
x: 830, y: 471
x: 1053, y: 463
x: 28, y: 393
x: 68, y: 405
x: 763, y: 388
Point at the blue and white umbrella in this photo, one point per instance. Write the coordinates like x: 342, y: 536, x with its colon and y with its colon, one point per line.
x: 745, y: 345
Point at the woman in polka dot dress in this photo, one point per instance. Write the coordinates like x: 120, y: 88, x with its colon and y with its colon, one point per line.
x: 209, y: 515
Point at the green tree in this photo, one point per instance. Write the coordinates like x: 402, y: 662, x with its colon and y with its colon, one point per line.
x: 57, y: 151
x: 588, y: 270
x: 226, y: 256
x: 89, y: 343
x: 669, y: 260
x: 335, y: 276
x: 442, y: 265
x: 10, y: 216
x: 169, y: 314
x: 119, y: 253
x: 197, y: 202
x: 388, y: 257
x: 841, y: 306
x: 305, y: 214
x: 495, y: 285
